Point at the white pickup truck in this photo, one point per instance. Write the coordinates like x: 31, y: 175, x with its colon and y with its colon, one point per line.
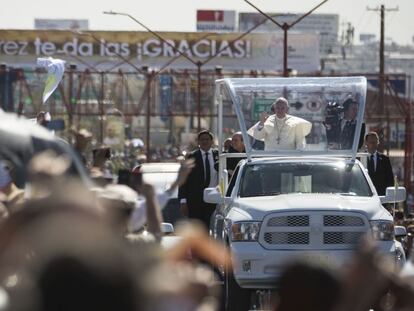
x: 316, y: 202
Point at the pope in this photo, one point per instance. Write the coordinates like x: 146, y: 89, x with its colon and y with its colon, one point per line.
x: 281, y: 131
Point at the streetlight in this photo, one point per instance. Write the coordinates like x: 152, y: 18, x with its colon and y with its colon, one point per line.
x: 149, y: 75
x: 140, y: 70
x: 88, y: 34
x: 198, y: 64
x: 285, y: 28
x: 150, y: 31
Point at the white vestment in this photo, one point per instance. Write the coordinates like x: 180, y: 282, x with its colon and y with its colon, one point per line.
x: 282, y: 134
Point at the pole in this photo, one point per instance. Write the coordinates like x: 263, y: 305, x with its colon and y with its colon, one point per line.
x: 72, y: 68
x: 381, y: 74
x: 99, y: 41
x: 285, y: 49
x: 381, y: 64
x: 407, y: 147
x: 151, y: 32
x: 199, y: 64
x: 408, y: 141
x: 387, y: 146
x: 20, y: 78
x: 148, y: 121
x: 285, y: 28
x: 101, y: 104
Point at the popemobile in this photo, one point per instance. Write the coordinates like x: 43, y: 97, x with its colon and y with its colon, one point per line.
x: 302, y: 189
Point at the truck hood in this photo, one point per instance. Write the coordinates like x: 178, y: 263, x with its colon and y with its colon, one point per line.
x: 255, y: 208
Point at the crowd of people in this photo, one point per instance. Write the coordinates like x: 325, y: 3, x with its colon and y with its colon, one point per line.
x: 68, y: 246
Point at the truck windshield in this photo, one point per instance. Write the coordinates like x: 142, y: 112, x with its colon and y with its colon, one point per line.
x: 266, y: 179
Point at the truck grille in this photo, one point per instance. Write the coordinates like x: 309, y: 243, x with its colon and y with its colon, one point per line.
x: 289, y: 221
x: 287, y: 237
x: 313, y: 230
x: 341, y: 237
x: 342, y: 221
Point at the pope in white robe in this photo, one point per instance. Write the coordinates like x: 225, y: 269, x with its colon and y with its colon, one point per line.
x: 281, y: 131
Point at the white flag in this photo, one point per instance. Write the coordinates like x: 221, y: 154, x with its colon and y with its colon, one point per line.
x: 55, y: 70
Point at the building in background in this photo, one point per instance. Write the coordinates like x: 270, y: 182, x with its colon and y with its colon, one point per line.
x: 366, y: 38
x: 216, y: 21
x: 61, y: 24
x: 326, y: 25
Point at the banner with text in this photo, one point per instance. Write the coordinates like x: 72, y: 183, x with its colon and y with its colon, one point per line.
x: 104, y: 49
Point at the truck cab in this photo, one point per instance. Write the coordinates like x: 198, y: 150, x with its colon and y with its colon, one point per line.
x: 315, y: 201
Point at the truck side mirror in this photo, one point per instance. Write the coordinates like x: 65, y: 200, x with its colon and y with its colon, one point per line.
x: 400, y: 231
x: 213, y: 195
x: 167, y: 228
x: 393, y: 195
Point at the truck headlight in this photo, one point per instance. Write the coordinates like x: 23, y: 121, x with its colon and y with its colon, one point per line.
x: 245, y: 231
x: 399, y: 257
x: 382, y: 230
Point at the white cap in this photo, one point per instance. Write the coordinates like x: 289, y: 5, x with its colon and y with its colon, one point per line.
x: 120, y: 193
x: 129, y: 196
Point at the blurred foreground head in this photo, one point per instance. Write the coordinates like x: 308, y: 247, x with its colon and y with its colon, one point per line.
x: 181, y: 282
x: 85, y: 274
x: 11, y: 197
x: 48, y: 174
x: 307, y: 286
x: 118, y: 202
x: 183, y: 287
x: 62, y: 256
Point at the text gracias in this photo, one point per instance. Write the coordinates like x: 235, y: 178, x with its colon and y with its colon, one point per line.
x: 151, y: 48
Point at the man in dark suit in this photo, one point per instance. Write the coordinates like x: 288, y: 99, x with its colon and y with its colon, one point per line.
x: 237, y: 146
x: 379, y: 165
x: 340, y: 132
x: 202, y: 176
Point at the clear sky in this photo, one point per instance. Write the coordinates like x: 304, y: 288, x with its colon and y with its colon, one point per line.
x: 180, y: 15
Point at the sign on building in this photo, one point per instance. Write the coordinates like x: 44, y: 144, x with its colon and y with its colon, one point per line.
x: 61, y: 24
x: 261, y: 105
x: 326, y: 25
x: 397, y: 83
x: 367, y: 37
x: 104, y: 49
x: 216, y: 20
x: 166, y: 94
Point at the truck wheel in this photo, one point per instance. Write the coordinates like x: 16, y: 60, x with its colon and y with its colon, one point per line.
x: 235, y: 298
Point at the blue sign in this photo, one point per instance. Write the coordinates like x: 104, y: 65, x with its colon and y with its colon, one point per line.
x: 397, y: 84
x: 165, y: 96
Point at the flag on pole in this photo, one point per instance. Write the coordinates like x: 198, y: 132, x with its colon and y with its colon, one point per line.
x: 55, y: 70
x: 396, y: 184
x: 395, y: 193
